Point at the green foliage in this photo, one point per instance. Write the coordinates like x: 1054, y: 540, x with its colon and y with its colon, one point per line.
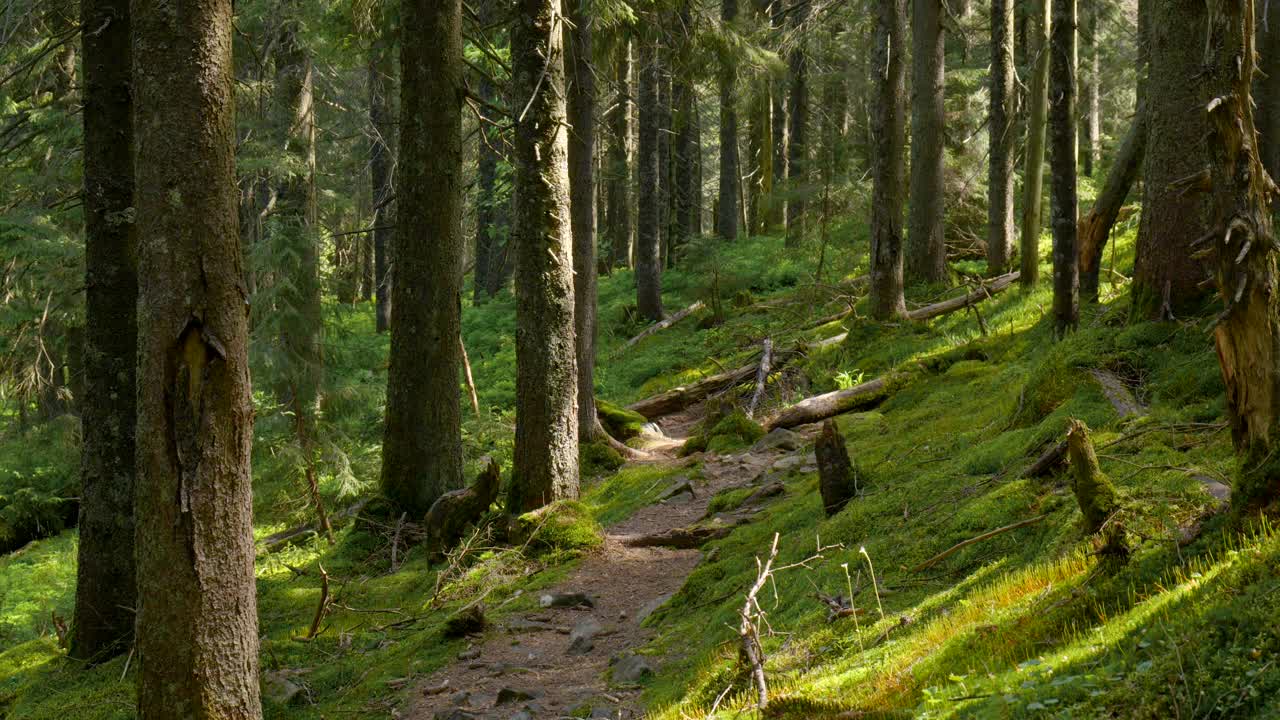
x: 39, y: 482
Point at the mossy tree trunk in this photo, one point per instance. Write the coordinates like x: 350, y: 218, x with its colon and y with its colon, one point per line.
x: 888, y: 138
x: 1062, y: 145
x: 582, y: 141
x: 648, y: 220
x: 106, y: 589
x: 546, y: 445
x: 926, y: 257
x: 1000, y: 125
x: 1094, y: 492
x: 1033, y: 173
x: 727, y: 207
x: 422, y: 438
x: 197, y: 623
x: 381, y: 160
x: 1247, y: 336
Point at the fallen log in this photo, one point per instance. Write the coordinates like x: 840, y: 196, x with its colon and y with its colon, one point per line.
x: 973, y: 540
x: 1048, y: 460
x: 1095, y: 228
x: 273, y: 543
x: 679, y: 398
x: 762, y: 375
x: 1118, y: 394
x: 656, y: 327
x: 986, y: 290
x: 686, y: 538
x: 835, y: 403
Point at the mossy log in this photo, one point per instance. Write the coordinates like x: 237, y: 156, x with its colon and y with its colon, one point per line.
x: 657, y: 327
x: 838, y: 402
x: 454, y: 511
x: 1094, y: 492
x: 679, y: 398
x: 837, y: 476
x: 686, y: 538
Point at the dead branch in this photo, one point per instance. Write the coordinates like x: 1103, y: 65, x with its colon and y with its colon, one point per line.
x: 662, y: 325
x: 974, y: 540
x: 762, y: 375
x: 323, y: 608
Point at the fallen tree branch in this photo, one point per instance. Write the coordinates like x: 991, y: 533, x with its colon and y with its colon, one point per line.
x: 835, y: 403
x: 973, y: 540
x: 679, y: 398
x: 686, y: 538
x: 272, y: 543
x: 762, y: 375
x: 323, y: 608
x: 1047, y: 460
x: 984, y: 291
x: 656, y: 327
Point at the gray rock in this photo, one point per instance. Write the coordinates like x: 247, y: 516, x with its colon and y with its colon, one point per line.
x: 583, y: 637
x: 651, y: 607
x: 470, y: 653
x: 514, y: 695
x: 778, y: 439
x: 462, y: 697
x: 565, y: 600
x: 278, y: 688
x: 602, y: 714
x: 789, y: 462
x: 678, y: 489
x: 630, y: 668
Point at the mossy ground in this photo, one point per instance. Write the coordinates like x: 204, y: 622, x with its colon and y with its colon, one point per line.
x: 1026, y: 624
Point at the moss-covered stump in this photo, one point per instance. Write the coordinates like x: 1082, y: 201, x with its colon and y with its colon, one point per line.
x: 561, y: 528
x: 724, y: 429
x: 837, y: 475
x: 620, y: 422
x: 450, y: 515
x: 597, y: 458
x: 1094, y: 492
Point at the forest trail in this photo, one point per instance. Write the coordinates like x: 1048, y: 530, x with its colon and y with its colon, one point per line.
x: 528, y: 668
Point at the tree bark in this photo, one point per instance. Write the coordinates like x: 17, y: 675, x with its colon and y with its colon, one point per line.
x: 197, y: 627
x: 648, y: 234
x: 422, y: 439
x: 546, y: 445
x: 106, y: 589
x: 664, y: 148
x: 1266, y: 87
x: 619, y: 180
x: 797, y: 129
x: 1247, y: 335
x: 582, y: 140
x: 926, y: 251
x: 1062, y: 145
x: 1000, y: 228
x: 488, y: 140
x: 381, y: 160
x: 1033, y: 174
x: 888, y: 76
x: 778, y: 122
x: 1095, y: 228
x: 727, y: 212
x: 1092, y: 87
x: 1173, y: 215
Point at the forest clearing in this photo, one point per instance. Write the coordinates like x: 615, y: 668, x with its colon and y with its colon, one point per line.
x: 670, y: 359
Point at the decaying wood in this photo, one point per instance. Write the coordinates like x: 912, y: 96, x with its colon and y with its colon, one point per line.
x: 986, y: 290
x: 323, y: 608
x: 974, y: 540
x: 1047, y: 460
x: 471, y: 383
x: 762, y: 375
x: 657, y: 327
x: 679, y: 398
x: 837, y: 476
x: 833, y: 403
x: 686, y: 538
x: 1118, y: 394
x: 750, y: 651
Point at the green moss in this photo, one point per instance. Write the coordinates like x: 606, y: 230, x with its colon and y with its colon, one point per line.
x: 620, y: 422
x: 729, y: 499
x: 597, y: 458
x: 562, y: 529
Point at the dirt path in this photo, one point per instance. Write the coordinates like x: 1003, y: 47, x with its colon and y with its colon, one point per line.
x: 529, y: 668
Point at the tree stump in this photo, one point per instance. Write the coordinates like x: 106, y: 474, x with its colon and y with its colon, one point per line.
x: 454, y: 511
x: 837, y: 476
x: 1094, y: 492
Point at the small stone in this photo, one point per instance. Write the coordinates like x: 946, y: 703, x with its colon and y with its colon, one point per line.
x: 470, y: 653
x: 565, y: 600
x: 777, y: 439
x: 462, y: 697
x: 436, y: 689
x: 278, y: 688
x: 680, y: 487
x: 512, y: 695
x: 789, y: 462
x: 582, y: 639
x: 651, y: 607
x: 630, y: 668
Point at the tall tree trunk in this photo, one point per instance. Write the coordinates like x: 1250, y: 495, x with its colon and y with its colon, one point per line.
x: 1092, y: 87
x: 727, y: 209
x: 888, y: 133
x: 1266, y: 86
x: 664, y: 150
x: 1173, y: 216
x: 546, y: 448
x: 1095, y: 228
x: 582, y: 140
x: 487, y: 250
x: 927, y: 251
x: 1000, y: 228
x: 684, y: 172
x: 106, y: 584
x: 197, y: 621
x: 797, y: 130
x: 759, y: 157
x: 1062, y: 146
x: 778, y: 122
x: 381, y: 160
x: 648, y: 238
x: 422, y: 439
x: 1247, y: 335
x: 1033, y: 174
x: 618, y: 118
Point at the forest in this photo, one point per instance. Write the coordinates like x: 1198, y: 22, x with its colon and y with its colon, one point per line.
x: 671, y: 359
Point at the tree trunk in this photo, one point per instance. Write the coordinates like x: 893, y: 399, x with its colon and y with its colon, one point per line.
x: 684, y: 152
x: 664, y: 151
x: 197, y: 623
x: 381, y: 160
x: 648, y: 234
x: 888, y: 76
x: 1062, y: 146
x: 1266, y: 87
x: 759, y: 157
x: 778, y: 122
x: 1000, y: 228
x: 422, y: 439
x: 546, y: 445
x: 619, y: 173
x: 582, y: 141
x: 797, y: 129
x: 927, y: 251
x: 1033, y: 174
x: 1092, y: 87
x: 486, y: 202
x: 106, y: 590
x: 1173, y: 215
x: 1248, y: 332
x: 1095, y: 228
x: 727, y: 208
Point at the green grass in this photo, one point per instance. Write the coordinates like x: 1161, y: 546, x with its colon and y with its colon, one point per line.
x: 1025, y: 624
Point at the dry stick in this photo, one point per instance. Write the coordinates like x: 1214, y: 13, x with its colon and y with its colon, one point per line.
x: 471, y: 383
x: 748, y: 631
x: 662, y: 325
x: 395, y: 540
x: 323, y: 608
x: 761, y: 376
x: 961, y: 545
